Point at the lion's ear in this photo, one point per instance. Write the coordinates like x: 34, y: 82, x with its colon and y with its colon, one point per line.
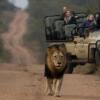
x: 63, y: 48
x: 48, y: 50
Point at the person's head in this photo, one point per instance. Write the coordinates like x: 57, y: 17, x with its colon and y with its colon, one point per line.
x: 68, y: 13
x: 90, y: 17
x: 97, y: 15
x: 64, y: 9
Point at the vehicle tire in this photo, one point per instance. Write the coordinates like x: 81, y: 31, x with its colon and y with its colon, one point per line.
x: 71, y: 66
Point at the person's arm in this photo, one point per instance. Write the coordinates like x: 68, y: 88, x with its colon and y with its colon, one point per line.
x: 65, y: 20
x: 72, y: 21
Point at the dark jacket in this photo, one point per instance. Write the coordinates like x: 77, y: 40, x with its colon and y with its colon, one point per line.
x: 71, y: 21
x: 86, y: 27
x: 89, y: 24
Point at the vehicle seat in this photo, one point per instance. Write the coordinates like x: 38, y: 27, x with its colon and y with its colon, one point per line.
x: 59, y: 29
x: 69, y: 30
x: 49, y: 26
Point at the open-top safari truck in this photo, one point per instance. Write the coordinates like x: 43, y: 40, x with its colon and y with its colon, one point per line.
x: 81, y: 48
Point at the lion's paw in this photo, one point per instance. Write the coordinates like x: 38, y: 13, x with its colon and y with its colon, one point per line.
x: 50, y: 94
x: 57, y: 95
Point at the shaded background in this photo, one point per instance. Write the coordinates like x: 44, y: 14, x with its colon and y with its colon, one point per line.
x: 38, y: 9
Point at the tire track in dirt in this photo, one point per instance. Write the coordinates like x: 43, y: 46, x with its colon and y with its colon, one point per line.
x: 13, y: 39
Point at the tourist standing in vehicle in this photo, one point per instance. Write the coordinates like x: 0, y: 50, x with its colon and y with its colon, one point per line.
x: 69, y: 18
x: 97, y: 18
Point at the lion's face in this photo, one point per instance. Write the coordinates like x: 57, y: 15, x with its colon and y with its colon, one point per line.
x: 57, y: 57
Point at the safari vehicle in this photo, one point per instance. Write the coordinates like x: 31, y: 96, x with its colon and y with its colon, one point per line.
x: 82, y: 49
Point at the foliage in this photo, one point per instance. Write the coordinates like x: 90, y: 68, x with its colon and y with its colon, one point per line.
x: 4, y: 55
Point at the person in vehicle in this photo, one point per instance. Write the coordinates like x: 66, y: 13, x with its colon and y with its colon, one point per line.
x: 97, y: 18
x: 69, y: 18
x: 90, y: 22
x: 88, y: 25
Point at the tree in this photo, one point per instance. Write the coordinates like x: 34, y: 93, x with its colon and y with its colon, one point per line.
x: 92, y: 6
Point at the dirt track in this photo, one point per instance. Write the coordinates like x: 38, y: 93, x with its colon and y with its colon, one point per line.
x: 13, y: 39
x: 17, y: 83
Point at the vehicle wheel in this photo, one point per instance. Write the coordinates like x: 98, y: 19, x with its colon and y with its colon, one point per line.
x: 71, y: 66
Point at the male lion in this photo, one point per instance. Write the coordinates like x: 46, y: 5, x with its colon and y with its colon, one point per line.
x: 56, y: 61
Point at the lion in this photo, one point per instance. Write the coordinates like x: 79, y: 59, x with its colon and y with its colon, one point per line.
x: 56, y: 64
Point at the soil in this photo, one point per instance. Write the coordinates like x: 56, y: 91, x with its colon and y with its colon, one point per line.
x: 19, y: 82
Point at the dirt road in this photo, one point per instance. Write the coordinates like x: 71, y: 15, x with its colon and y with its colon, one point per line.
x: 13, y: 39
x: 17, y: 83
